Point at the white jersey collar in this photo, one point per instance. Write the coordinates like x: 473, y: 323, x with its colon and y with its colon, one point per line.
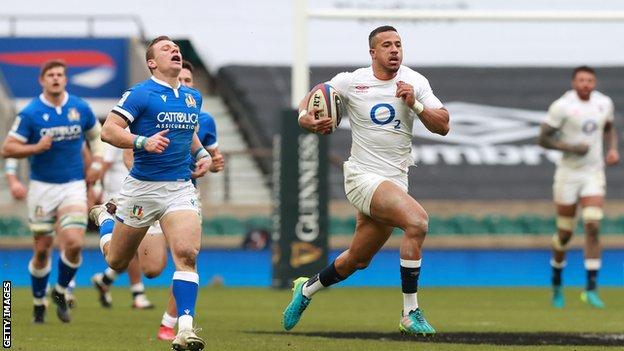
x: 396, y: 76
x: 165, y: 84
x: 48, y: 103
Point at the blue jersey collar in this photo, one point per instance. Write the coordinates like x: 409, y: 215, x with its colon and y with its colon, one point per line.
x: 59, y: 109
x: 165, y: 84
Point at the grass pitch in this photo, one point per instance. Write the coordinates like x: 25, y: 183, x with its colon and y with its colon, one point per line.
x: 337, y: 319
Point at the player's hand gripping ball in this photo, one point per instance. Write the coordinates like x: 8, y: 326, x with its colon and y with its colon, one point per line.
x: 326, y: 103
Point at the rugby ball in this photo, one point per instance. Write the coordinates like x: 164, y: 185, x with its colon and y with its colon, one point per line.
x: 327, y: 100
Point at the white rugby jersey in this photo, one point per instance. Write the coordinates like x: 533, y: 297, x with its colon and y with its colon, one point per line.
x: 381, y: 123
x: 581, y: 121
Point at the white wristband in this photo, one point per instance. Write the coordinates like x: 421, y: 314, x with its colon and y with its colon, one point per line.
x: 201, y: 153
x: 96, y: 165
x: 10, y: 166
x: 418, y: 107
x: 302, y: 113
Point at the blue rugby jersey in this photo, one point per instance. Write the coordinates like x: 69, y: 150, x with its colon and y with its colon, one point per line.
x: 67, y: 125
x: 152, y: 106
x: 207, y: 134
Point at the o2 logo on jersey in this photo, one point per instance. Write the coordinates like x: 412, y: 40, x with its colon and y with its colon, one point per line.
x: 384, y: 107
x: 589, y: 127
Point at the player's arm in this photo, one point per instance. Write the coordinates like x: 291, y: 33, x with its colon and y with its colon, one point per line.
x: 128, y: 158
x: 15, y: 148
x: 218, y: 161
x: 96, y: 151
x: 436, y: 120
x: 18, y: 190
x: 548, y: 140
x: 201, y: 156
x: 611, y: 139
x: 308, y: 121
x: 114, y: 132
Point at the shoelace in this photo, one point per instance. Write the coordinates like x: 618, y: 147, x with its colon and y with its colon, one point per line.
x: 304, y: 304
x: 418, y: 316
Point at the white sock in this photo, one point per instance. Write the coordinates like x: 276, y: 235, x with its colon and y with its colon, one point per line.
x: 59, y: 289
x: 310, y: 290
x: 168, y: 321
x: 104, y: 240
x: 111, y: 273
x: 593, y: 264
x: 410, y: 303
x: 39, y: 301
x: 185, y: 322
x: 137, y: 288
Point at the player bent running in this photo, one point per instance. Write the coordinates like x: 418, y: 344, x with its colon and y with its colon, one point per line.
x: 162, y: 116
x: 153, y: 257
x: 382, y: 102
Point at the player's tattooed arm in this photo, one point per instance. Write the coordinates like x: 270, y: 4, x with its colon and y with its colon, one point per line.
x: 548, y: 139
x: 610, y: 136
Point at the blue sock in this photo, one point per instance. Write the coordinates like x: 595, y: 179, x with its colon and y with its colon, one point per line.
x: 67, y: 271
x: 39, y: 280
x: 329, y: 276
x: 185, y: 286
x: 107, y: 227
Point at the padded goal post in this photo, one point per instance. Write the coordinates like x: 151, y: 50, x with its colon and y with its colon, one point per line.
x: 300, y: 202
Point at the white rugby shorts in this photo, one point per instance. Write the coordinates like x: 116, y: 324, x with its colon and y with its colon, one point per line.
x: 569, y: 186
x: 360, y: 185
x: 45, y: 199
x: 153, y: 229
x: 142, y: 203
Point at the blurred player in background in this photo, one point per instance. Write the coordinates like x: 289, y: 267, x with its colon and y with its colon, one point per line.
x: 382, y: 102
x: 162, y: 116
x: 114, y: 173
x: 578, y: 123
x: 17, y: 189
x: 19, y: 192
x: 50, y: 131
x: 207, y: 133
